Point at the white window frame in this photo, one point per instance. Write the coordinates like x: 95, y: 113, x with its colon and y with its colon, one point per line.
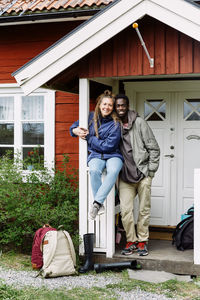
x: 49, y: 119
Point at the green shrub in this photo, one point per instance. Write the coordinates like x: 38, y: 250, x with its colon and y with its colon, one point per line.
x: 30, y: 199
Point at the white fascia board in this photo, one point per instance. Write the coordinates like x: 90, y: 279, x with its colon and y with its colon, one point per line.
x: 176, y: 16
x: 182, y: 8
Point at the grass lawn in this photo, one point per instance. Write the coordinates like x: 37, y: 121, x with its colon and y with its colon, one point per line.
x: 171, y: 288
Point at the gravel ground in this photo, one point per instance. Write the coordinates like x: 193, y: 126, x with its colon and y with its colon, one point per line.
x: 20, y: 279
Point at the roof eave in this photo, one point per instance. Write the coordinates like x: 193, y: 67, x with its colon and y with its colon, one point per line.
x: 48, y: 17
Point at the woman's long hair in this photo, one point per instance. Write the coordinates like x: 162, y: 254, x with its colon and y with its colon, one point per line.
x: 97, y: 112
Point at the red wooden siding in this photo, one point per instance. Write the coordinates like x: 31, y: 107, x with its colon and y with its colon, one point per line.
x: 123, y: 55
x: 66, y: 113
x: 19, y: 44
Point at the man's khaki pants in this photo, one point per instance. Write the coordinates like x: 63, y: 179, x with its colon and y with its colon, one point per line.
x: 127, y: 194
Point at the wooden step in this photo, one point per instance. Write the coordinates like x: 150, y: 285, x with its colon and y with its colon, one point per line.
x: 161, y: 232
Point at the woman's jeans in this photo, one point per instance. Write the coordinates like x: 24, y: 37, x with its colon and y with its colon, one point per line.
x: 101, y: 188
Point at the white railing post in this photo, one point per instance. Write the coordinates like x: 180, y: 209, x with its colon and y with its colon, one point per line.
x: 110, y: 211
x: 83, y: 178
x: 196, y: 216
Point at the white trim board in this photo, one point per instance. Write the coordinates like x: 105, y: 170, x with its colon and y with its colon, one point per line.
x: 165, y: 86
x: 178, y: 14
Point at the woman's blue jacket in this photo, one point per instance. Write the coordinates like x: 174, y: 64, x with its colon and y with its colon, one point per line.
x: 107, y: 144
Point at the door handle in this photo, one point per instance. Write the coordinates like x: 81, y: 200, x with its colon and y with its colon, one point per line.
x: 169, y: 155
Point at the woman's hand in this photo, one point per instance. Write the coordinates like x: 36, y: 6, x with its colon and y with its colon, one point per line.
x: 81, y: 132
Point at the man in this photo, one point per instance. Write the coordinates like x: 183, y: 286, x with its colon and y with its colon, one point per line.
x: 141, y: 154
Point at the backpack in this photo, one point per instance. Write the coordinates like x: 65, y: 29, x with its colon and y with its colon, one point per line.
x: 59, y: 258
x: 37, y: 256
x: 183, y: 235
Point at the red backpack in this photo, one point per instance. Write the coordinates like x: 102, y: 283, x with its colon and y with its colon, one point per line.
x: 37, y: 257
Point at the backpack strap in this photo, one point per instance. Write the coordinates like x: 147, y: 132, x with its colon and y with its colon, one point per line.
x: 71, y: 246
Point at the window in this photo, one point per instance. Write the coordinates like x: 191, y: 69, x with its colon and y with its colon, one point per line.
x: 155, y: 110
x: 26, y: 122
x: 192, y: 109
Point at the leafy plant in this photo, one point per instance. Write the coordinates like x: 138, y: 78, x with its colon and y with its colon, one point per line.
x: 34, y: 159
x: 27, y: 201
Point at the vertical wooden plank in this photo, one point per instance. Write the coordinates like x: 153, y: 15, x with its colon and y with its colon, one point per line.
x: 148, y: 36
x: 196, y: 58
x: 102, y: 61
x: 121, y: 55
x: 196, y: 216
x: 136, y: 62
x: 107, y: 53
x: 172, y: 51
x: 91, y: 65
x: 127, y: 48
x: 115, y: 56
x: 83, y: 178
x: 186, y: 54
x: 159, y: 58
x: 96, y: 62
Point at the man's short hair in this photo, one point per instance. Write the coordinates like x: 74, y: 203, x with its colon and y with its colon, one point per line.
x: 122, y: 96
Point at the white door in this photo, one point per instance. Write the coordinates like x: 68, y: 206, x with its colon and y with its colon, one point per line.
x: 175, y: 120
x: 188, y: 147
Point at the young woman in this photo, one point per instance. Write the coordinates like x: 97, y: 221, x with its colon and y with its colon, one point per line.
x: 103, y: 137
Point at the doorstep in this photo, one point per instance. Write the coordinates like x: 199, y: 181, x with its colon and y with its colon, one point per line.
x: 163, y: 256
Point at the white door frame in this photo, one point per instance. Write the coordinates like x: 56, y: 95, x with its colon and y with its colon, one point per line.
x: 104, y: 242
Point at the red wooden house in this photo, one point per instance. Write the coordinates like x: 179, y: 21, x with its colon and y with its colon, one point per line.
x: 105, y: 51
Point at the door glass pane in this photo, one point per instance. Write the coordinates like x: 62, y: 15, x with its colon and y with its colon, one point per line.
x: 6, y: 134
x: 193, y: 117
x: 162, y: 109
x: 187, y: 109
x: 155, y: 117
x: 154, y: 110
x: 33, y: 108
x: 33, y: 133
x: 192, y: 109
x: 6, y: 108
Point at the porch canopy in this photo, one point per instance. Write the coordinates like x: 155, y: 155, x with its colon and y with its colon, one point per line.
x: 106, y: 49
x: 56, y: 67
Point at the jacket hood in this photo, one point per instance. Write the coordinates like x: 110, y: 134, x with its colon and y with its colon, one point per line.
x: 132, y: 115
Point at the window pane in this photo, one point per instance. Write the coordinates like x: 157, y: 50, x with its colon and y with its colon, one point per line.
x: 187, y: 109
x: 3, y: 151
x: 33, y: 108
x: 6, y: 108
x: 162, y: 109
x: 192, y: 109
x: 147, y: 110
x: 154, y: 113
x: 34, y: 158
x: 6, y: 134
x: 193, y: 117
x: 33, y: 133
